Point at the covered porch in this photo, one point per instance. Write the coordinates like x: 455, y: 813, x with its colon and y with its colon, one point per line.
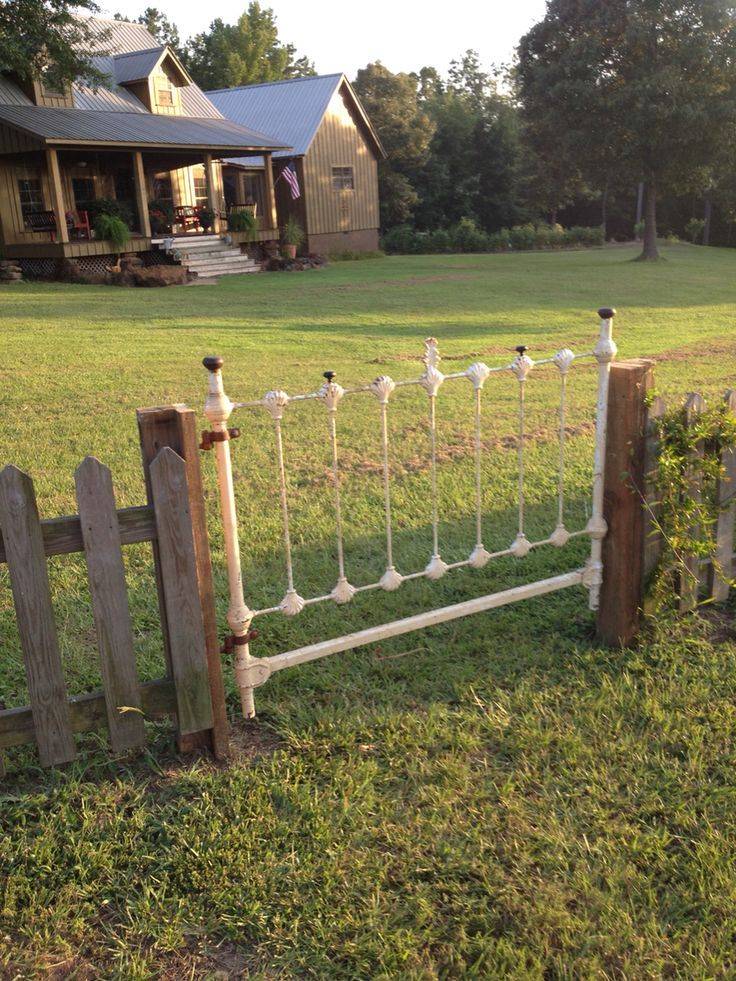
x: 52, y: 187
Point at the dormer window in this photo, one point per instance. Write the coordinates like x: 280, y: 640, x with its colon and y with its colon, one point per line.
x: 164, y: 93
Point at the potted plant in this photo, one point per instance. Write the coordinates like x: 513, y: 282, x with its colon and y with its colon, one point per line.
x: 292, y: 236
x: 112, y: 229
x: 206, y: 218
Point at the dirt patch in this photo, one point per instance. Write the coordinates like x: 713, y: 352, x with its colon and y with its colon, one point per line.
x: 713, y: 348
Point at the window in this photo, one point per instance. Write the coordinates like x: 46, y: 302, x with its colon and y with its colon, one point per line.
x: 342, y: 179
x: 163, y: 189
x: 200, y: 191
x: 31, y: 196
x: 164, y: 95
x: 83, y: 189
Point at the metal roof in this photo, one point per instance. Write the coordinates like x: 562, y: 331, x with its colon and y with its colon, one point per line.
x: 292, y: 110
x: 72, y: 126
x: 11, y: 94
x: 135, y: 65
x: 116, y: 99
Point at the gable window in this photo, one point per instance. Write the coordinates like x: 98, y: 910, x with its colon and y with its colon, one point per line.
x: 342, y: 179
x: 31, y: 196
x: 165, y: 94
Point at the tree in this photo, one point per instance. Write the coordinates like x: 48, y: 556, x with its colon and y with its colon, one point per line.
x: 392, y: 103
x: 158, y: 24
x: 47, y: 39
x: 472, y: 169
x: 244, y: 53
x: 645, y: 87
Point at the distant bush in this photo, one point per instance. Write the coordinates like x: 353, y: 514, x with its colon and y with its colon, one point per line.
x: 694, y: 230
x: 465, y: 236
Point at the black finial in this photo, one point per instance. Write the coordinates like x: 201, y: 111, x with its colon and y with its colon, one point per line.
x: 213, y: 363
x: 521, y: 349
x: 606, y: 313
x: 329, y: 375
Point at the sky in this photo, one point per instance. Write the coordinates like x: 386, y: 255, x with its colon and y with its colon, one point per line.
x: 341, y: 36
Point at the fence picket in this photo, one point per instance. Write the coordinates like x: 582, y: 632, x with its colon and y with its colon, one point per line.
x: 181, y: 595
x: 652, y: 537
x: 108, y: 590
x: 723, y: 569
x: 32, y: 596
x: 691, y: 578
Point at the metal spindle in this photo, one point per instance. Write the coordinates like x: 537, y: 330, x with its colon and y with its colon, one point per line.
x: 382, y: 388
x: 276, y: 402
x: 560, y: 536
x: 478, y: 373
x: 431, y: 381
x: 331, y: 393
x: 521, y: 366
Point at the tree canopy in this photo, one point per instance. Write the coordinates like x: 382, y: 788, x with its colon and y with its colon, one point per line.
x: 243, y: 53
x: 645, y: 87
x: 47, y: 39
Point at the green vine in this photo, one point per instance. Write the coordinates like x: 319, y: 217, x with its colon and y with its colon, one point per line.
x: 685, y: 508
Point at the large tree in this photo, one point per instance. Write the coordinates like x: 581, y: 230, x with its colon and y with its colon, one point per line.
x: 392, y: 103
x: 643, y: 87
x: 244, y: 53
x: 47, y: 39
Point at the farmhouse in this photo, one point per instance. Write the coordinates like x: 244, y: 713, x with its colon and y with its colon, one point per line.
x: 334, y: 152
x: 151, y: 142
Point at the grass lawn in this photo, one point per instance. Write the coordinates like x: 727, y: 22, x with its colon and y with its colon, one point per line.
x: 495, y: 797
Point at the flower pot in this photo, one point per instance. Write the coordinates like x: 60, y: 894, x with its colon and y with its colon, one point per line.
x: 289, y: 252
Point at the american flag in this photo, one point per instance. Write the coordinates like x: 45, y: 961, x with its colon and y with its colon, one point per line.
x: 289, y: 175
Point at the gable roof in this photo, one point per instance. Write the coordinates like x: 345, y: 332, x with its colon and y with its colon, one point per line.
x: 135, y: 66
x: 292, y: 109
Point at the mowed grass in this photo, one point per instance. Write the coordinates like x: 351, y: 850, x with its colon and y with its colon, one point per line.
x: 495, y: 797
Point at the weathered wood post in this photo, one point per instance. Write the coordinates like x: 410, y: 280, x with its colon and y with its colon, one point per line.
x: 175, y: 426
x: 623, y: 502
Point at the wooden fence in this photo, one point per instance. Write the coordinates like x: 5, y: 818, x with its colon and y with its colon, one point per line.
x: 633, y: 546
x: 173, y: 521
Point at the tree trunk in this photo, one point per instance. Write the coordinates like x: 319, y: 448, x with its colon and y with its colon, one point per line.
x: 604, y: 210
x: 639, y: 202
x: 707, y: 216
x: 650, y: 250
x: 553, y: 216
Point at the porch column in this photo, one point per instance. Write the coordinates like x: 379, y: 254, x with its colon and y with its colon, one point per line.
x: 271, y: 215
x: 213, y: 202
x: 141, y: 197
x: 57, y: 194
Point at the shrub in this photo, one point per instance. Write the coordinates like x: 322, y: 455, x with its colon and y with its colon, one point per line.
x: 112, y: 229
x: 694, y: 230
x: 242, y: 221
x: 522, y: 237
x: 639, y: 230
x: 402, y: 239
x: 467, y: 237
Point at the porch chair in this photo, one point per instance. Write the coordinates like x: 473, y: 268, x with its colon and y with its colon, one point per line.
x: 78, y: 224
x: 186, y: 216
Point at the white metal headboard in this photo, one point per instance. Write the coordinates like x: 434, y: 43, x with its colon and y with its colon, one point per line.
x: 251, y: 672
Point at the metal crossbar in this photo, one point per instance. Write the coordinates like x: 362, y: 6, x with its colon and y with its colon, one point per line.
x: 250, y: 671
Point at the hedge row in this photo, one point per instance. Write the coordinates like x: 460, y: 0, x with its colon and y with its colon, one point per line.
x: 467, y: 237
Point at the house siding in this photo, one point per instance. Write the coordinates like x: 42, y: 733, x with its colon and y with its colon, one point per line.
x: 340, y: 142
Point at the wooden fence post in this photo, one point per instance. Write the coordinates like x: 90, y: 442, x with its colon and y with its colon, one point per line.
x: 175, y: 427
x: 623, y: 502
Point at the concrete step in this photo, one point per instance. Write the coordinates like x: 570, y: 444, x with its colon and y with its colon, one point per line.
x: 209, y: 254
x: 232, y: 260
x: 231, y: 270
